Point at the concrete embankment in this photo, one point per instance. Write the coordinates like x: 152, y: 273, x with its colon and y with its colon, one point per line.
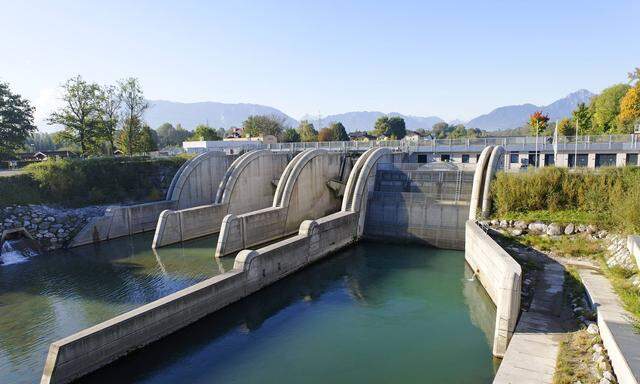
x: 500, y: 275
x: 92, y: 348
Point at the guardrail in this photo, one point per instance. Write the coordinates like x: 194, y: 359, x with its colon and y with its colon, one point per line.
x: 600, y: 142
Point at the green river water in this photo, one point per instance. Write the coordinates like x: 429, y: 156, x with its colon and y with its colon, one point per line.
x: 374, y: 313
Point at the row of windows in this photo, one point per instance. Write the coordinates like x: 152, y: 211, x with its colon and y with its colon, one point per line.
x: 533, y: 159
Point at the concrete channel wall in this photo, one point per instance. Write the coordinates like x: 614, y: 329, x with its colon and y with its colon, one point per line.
x: 302, y: 194
x: 92, y: 348
x: 500, y: 275
x: 633, y: 244
x: 247, y: 185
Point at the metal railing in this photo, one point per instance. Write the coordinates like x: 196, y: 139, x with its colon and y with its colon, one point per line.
x: 599, y: 142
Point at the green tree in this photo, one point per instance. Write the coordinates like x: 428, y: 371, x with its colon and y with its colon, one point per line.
x: 109, y: 103
x: 538, y: 123
x: 606, y: 108
x: 441, y: 130
x: 382, y: 126
x: 566, y: 127
x: 459, y: 131
x: 134, y: 105
x: 258, y: 125
x: 148, y: 140
x: 397, y: 127
x: 307, y: 131
x: 16, y: 120
x: 80, y: 114
x: 338, y: 132
x: 581, y: 117
x: 205, y: 133
x: 290, y: 135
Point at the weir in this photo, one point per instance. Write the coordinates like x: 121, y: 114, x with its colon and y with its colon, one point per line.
x: 306, y: 202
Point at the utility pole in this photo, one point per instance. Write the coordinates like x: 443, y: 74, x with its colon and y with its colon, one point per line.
x: 575, y: 155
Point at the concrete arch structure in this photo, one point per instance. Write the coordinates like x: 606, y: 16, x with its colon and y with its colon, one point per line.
x: 478, y: 181
x: 497, y: 156
x: 247, y: 185
x: 302, y: 194
x: 356, y: 191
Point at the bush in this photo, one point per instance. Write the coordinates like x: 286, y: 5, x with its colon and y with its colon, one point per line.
x: 611, y: 195
x: 78, y: 182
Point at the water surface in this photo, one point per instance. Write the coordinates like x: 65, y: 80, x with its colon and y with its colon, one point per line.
x: 51, y: 296
x: 374, y: 313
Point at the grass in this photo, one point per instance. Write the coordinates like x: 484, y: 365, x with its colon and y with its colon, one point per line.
x: 574, y: 359
x: 563, y: 216
x: 627, y: 292
x: 567, y: 246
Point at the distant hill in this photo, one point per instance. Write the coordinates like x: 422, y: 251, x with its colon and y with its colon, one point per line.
x: 216, y: 114
x: 365, y: 120
x: 514, y: 116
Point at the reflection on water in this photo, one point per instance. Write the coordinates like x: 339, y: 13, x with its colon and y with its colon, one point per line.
x: 55, y: 295
x: 374, y: 313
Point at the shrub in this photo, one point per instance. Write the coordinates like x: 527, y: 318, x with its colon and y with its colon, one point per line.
x: 611, y: 195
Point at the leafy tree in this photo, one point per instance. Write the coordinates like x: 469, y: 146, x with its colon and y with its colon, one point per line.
x: 109, y: 105
x: 630, y: 104
x: 134, y: 105
x: 205, y: 133
x: 290, y: 135
x: 307, y: 131
x: 148, y: 140
x: 41, y: 141
x: 16, y: 120
x: 606, y: 108
x: 325, y: 134
x: 582, y: 119
x: 257, y: 125
x: 441, y: 130
x: 80, y: 114
x: 166, y: 134
x: 338, y: 132
x: 538, y: 122
x: 397, y: 128
x: 382, y: 126
x: 459, y: 131
x: 566, y: 127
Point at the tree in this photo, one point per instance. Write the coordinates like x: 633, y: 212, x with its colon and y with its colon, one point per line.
x: 538, y: 122
x: 134, y: 105
x: 338, y: 132
x: 581, y: 119
x: 205, y: 133
x: 80, y: 114
x: 566, y: 128
x: 16, y: 120
x: 148, y: 140
x: 458, y: 131
x: 109, y: 105
x: 290, y: 135
x: 441, y: 130
x: 307, y: 131
x: 397, y: 128
x: 325, y: 134
x: 606, y: 108
x: 382, y: 126
x: 630, y: 104
x: 259, y: 125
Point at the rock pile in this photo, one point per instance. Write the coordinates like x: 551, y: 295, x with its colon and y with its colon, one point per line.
x: 521, y: 227
x: 51, y: 227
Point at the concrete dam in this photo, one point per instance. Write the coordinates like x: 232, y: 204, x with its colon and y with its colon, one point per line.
x: 277, y: 212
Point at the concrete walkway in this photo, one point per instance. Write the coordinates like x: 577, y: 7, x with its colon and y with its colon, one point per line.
x: 619, y: 336
x: 532, y: 352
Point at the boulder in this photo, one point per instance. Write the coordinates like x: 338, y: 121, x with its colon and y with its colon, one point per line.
x: 582, y: 228
x: 538, y: 227
x: 592, y: 329
x: 504, y: 224
x: 520, y: 224
x: 569, y: 229
x: 516, y: 231
x: 591, y: 229
x: 554, y: 229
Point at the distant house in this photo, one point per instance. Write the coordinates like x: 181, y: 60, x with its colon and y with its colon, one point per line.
x: 360, y: 136
x: 45, y: 155
x: 415, y: 135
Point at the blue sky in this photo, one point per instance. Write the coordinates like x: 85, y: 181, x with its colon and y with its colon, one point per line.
x: 454, y: 59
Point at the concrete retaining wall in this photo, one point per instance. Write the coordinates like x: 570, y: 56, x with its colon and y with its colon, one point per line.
x: 500, y: 275
x: 121, y: 221
x: 94, y: 347
x: 633, y: 244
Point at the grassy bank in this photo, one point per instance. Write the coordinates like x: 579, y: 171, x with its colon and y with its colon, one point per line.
x: 609, y: 197
x: 79, y: 182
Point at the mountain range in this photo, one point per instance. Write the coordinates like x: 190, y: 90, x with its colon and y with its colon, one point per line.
x: 227, y: 115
